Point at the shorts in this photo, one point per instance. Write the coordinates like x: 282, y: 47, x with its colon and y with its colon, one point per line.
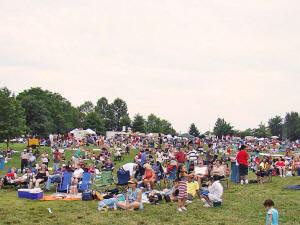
x: 182, y: 186
x: 243, y: 170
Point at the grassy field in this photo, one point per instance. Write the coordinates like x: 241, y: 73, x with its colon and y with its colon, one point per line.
x: 241, y: 205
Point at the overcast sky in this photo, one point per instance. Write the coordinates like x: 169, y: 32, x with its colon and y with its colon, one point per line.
x: 186, y: 61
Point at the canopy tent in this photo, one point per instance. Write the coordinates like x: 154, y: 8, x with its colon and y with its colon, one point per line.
x: 275, y: 137
x: 90, y: 131
x: 80, y: 133
x: 249, y: 138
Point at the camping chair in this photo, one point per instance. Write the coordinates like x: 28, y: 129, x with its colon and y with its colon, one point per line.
x: 104, y: 180
x: 172, y: 175
x: 123, y: 178
x: 85, y: 183
x: 64, y: 186
x: 159, y: 175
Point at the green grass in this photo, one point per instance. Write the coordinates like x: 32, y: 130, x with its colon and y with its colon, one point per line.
x: 241, y: 205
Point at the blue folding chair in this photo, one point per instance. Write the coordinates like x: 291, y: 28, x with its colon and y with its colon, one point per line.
x: 159, y: 175
x: 85, y: 182
x: 172, y: 175
x: 123, y: 178
x: 64, y: 187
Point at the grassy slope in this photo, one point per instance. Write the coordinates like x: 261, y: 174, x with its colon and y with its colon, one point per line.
x: 242, y: 205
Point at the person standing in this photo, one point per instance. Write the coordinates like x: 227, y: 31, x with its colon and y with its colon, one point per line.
x: 180, y: 156
x: 24, y: 160
x: 272, y: 214
x: 242, y: 159
x: 56, y: 160
x: 209, y: 154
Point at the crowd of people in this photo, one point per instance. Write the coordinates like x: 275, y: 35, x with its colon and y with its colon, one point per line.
x: 199, y: 165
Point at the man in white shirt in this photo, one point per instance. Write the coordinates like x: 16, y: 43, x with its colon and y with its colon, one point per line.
x: 131, y: 167
x: 214, y: 193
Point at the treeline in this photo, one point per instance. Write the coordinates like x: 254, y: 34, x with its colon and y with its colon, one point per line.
x: 41, y: 112
x: 285, y: 128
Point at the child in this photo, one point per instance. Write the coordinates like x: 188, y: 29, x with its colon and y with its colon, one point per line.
x: 272, y: 214
x: 182, y: 186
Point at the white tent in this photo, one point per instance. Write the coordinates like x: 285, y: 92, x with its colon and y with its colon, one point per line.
x: 275, y: 137
x: 90, y: 131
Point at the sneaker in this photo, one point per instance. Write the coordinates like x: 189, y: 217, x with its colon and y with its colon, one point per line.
x: 242, y: 182
x: 280, y: 175
x: 183, y: 208
x: 246, y: 181
x: 203, y: 200
x: 188, y: 201
x: 179, y: 210
x: 207, y: 205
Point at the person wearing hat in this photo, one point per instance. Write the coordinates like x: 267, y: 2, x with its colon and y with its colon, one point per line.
x: 149, y: 177
x: 24, y: 159
x: 133, y: 197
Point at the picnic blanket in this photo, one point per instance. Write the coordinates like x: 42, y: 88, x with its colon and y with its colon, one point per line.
x: 62, y: 197
x: 295, y: 187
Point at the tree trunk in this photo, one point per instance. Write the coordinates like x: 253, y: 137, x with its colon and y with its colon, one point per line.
x: 7, y: 142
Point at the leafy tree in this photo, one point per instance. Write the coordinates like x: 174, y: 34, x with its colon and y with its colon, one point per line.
x: 94, y: 121
x: 86, y: 107
x: 193, y: 130
x: 125, y: 121
x: 262, y: 131
x: 119, y: 110
x: 166, y: 128
x: 275, y: 126
x: 153, y: 124
x: 48, y: 112
x: 298, y: 128
x: 222, y: 128
x: 101, y: 107
x: 290, y: 126
x: 139, y: 124
x: 12, y: 116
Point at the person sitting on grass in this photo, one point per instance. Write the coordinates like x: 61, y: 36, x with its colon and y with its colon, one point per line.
x: 149, y: 177
x: 214, y: 193
x: 133, y: 197
x: 192, y: 188
x: 41, y: 177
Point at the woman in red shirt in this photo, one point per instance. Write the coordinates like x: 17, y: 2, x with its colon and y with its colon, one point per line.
x: 281, y: 167
x: 149, y: 177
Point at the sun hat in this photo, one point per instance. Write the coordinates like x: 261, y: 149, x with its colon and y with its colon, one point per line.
x: 132, y: 181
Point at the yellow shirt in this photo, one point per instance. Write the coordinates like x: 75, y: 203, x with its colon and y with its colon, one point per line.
x: 192, y: 187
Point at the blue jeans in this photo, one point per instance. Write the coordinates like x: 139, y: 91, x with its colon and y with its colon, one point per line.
x: 55, y: 166
x: 109, y: 202
x: 53, y: 179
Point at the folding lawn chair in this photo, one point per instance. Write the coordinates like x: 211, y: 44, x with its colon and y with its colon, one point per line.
x: 104, y: 180
x: 123, y: 178
x: 159, y: 175
x: 85, y: 183
x: 64, y: 187
x: 172, y: 175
